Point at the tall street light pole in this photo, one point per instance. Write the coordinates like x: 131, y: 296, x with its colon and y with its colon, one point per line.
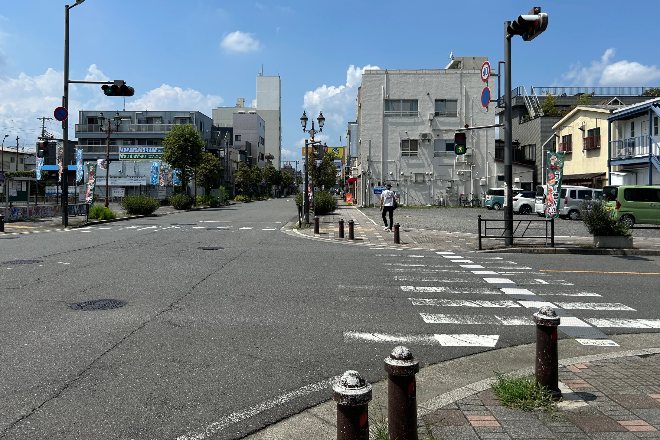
x: 109, y: 130
x: 65, y: 123
x: 312, y: 132
x: 2, y: 166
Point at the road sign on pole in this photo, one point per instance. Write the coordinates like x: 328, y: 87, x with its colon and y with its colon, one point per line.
x: 485, y: 97
x: 61, y: 113
x: 485, y: 71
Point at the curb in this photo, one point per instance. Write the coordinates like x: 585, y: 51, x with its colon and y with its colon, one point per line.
x: 580, y: 251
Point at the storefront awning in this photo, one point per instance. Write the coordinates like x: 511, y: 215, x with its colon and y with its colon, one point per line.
x: 585, y: 176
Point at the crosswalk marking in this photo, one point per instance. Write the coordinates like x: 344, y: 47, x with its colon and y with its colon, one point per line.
x: 439, y: 318
x: 462, y: 303
x: 499, y: 281
x: 471, y: 266
x: 484, y: 272
x: 446, y: 340
x: 624, y: 323
x: 594, y: 306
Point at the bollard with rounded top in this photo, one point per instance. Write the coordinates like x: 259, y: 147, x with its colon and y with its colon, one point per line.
x: 341, y: 228
x: 547, y: 357
x: 352, y: 394
x: 316, y: 225
x: 401, y: 368
x: 2, y: 223
x: 351, y: 230
x: 397, y: 239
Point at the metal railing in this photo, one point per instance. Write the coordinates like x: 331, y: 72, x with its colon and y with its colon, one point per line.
x: 521, y: 227
x: 597, y: 91
x: 633, y: 147
x: 401, y: 113
x: 565, y: 147
x: 591, y: 142
x: 126, y: 128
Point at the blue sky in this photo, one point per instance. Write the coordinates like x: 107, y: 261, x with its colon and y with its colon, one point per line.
x: 201, y: 54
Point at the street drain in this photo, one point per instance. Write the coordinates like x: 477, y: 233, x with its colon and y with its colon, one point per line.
x: 98, y: 304
x: 23, y: 262
x: 209, y: 248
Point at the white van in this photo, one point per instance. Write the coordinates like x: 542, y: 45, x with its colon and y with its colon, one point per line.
x: 569, y: 199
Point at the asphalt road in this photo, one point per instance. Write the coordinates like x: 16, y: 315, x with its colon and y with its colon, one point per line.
x: 231, y: 324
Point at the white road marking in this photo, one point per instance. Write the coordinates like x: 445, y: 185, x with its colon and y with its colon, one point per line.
x: 598, y: 342
x: 429, y: 279
x: 594, y: 306
x: 268, y: 229
x: 536, y: 304
x: 199, y: 227
x: 415, y: 256
x: 433, y: 318
x: 445, y: 253
x: 462, y: 261
x: 498, y: 281
x: 541, y: 281
x: 424, y: 289
x: 462, y: 303
x: 148, y: 227
x: 449, y: 257
x: 572, y: 294
x: 447, y: 340
x: 472, y: 266
x: 404, y: 265
x: 105, y: 228
x: 516, y: 291
x: 247, y: 227
x: 624, y: 323
x: 484, y: 272
x: 240, y: 416
x: 570, y: 321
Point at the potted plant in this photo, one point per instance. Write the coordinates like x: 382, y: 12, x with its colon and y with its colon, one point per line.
x: 608, y: 232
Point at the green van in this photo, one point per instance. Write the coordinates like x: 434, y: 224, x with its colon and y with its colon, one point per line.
x: 634, y: 204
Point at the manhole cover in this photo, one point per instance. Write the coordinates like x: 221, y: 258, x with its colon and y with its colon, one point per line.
x: 23, y: 262
x: 209, y: 248
x: 98, y: 304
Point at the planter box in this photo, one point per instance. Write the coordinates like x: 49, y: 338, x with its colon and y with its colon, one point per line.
x: 613, y: 241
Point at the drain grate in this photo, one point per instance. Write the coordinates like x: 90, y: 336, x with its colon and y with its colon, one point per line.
x: 209, y: 248
x: 23, y: 262
x: 98, y: 304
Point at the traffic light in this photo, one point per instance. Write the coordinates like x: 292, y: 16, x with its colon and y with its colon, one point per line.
x: 529, y: 26
x: 318, y: 151
x: 119, y: 88
x: 42, y: 148
x: 459, y: 143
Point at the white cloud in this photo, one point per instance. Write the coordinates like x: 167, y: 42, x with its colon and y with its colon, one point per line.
x: 175, y: 98
x: 240, y: 42
x: 259, y: 5
x: 604, y: 72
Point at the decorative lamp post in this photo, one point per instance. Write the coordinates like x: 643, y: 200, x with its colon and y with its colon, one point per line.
x: 117, y: 120
x: 312, y: 132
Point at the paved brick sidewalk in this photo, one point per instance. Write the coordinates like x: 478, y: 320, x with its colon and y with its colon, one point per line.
x: 606, y: 399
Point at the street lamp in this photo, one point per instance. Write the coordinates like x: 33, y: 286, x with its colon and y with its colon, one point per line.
x: 108, y: 130
x: 65, y: 124
x: 312, y: 132
x: 2, y: 166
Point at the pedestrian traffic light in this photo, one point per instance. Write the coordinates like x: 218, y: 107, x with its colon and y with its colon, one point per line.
x: 459, y: 143
x: 119, y: 88
x: 42, y: 148
x: 529, y: 26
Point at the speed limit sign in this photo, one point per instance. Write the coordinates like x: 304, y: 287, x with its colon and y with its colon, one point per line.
x: 485, y: 71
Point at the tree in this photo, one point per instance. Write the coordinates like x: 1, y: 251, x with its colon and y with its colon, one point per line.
x: 324, y: 175
x: 271, y: 176
x: 256, y: 176
x: 652, y: 92
x: 242, y: 177
x: 549, y: 105
x: 208, y: 171
x: 583, y: 99
x: 287, y: 180
x: 184, y: 148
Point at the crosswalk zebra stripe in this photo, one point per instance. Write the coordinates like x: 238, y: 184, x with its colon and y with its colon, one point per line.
x: 462, y: 303
x: 499, y: 281
x: 594, y: 306
x: 439, y: 318
x: 472, y: 266
x: 537, y: 304
x: 484, y: 272
x: 446, y: 340
x: 624, y: 323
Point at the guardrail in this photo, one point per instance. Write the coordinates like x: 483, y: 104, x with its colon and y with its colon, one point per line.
x: 521, y: 227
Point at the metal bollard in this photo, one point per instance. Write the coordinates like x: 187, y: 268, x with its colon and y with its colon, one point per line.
x: 316, y: 225
x: 351, y: 230
x: 2, y: 223
x: 401, y: 368
x: 547, y: 358
x: 352, y: 394
x: 341, y: 228
x: 397, y: 239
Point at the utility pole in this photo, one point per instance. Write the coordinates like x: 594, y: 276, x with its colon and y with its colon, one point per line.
x: 16, y: 153
x: 43, y: 125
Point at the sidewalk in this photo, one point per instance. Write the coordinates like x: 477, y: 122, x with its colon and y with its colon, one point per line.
x: 369, y: 232
x: 608, y: 392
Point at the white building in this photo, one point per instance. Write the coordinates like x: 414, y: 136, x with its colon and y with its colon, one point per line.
x: 406, y: 124
x: 268, y: 106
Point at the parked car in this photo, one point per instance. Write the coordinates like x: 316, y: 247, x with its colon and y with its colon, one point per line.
x: 495, y: 198
x: 523, y: 202
x: 572, y: 196
x: 635, y: 204
x: 539, y: 200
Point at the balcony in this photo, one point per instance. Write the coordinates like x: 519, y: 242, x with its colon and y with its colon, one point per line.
x: 126, y: 128
x: 565, y: 147
x: 632, y: 147
x: 591, y: 142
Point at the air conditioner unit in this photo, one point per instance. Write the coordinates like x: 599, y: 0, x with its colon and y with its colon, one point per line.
x: 425, y: 136
x: 431, y: 115
x: 468, y: 151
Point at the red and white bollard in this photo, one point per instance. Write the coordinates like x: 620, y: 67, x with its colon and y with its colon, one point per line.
x: 401, y: 368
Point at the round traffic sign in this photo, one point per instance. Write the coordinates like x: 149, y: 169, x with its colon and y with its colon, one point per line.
x: 61, y: 113
x: 485, y: 97
x: 485, y: 71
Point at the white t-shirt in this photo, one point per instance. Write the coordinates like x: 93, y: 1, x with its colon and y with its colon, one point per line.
x: 387, y: 197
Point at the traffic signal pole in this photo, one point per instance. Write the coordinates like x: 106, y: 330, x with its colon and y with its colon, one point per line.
x: 508, y: 138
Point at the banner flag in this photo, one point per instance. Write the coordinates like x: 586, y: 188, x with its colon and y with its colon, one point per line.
x: 79, y: 165
x: 154, y: 173
x: 177, y: 176
x: 40, y: 164
x: 59, y: 156
x: 555, y: 172
x: 91, y: 182
x: 164, y: 171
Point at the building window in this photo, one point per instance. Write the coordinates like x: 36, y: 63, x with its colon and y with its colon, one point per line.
x: 441, y: 147
x: 409, y: 147
x: 632, y: 129
x: 419, y: 177
x: 12, y: 159
x: 20, y: 161
x: 446, y: 107
x: 655, y: 126
x: 237, y: 138
x: 592, y: 140
x: 92, y: 120
x: 401, y: 107
x: 566, y: 144
x: 181, y: 121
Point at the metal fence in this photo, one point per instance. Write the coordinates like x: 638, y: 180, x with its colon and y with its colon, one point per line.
x: 522, y: 230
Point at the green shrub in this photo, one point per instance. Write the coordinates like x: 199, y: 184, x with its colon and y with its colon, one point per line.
x: 242, y: 198
x: 324, y: 203
x: 299, y: 199
x: 101, y: 213
x: 208, y: 200
x: 181, y: 201
x: 599, y: 221
x: 224, y: 194
x: 140, y: 205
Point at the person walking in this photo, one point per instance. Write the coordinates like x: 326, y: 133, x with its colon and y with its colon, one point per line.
x: 387, y: 200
